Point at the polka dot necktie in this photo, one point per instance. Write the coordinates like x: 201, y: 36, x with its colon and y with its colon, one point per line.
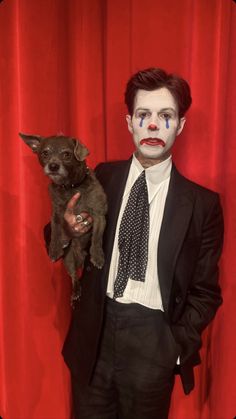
x: 133, y: 237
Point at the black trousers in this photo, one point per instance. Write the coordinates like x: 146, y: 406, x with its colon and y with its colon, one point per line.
x: 134, y: 373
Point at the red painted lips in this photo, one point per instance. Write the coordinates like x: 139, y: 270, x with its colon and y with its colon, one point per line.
x: 153, y: 141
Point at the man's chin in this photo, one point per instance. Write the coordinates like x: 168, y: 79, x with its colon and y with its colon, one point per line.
x: 151, y: 152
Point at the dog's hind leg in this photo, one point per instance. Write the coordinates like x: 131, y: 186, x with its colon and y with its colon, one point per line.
x: 96, y: 251
x: 59, y: 238
x: 73, y: 259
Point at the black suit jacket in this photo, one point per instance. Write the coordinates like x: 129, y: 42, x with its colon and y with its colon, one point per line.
x: 189, y: 247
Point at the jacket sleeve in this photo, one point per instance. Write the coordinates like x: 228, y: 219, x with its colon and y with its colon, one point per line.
x: 203, y: 295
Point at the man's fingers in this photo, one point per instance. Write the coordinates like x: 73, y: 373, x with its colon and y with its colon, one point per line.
x: 84, y: 224
x: 72, y: 202
x: 83, y: 219
x: 88, y: 220
x: 79, y: 223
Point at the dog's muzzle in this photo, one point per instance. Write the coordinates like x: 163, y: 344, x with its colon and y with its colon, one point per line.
x: 56, y: 172
x: 54, y: 167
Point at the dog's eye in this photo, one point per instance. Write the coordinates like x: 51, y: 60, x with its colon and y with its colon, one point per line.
x: 45, y: 154
x: 66, y: 155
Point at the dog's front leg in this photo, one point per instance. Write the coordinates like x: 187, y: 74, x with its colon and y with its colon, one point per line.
x: 59, y: 239
x: 96, y: 251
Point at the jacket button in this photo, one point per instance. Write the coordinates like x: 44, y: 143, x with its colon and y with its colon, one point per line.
x: 178, y: 299
x: 88, y: 269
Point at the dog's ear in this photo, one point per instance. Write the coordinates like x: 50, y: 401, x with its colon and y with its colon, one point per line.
x: 80, y: 151
x: 33, y: 141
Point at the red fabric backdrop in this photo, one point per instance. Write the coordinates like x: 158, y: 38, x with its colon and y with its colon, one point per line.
x: 63, y: 68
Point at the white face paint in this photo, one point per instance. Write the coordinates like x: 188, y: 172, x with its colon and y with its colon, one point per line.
x: 155, y: 123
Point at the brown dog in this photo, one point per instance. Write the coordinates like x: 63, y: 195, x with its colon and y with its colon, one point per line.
x: 63, y: 160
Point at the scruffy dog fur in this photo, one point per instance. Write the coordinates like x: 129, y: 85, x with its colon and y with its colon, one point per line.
x: 63, y: 161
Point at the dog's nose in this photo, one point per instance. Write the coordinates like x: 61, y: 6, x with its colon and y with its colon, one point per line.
x: 54, y: 167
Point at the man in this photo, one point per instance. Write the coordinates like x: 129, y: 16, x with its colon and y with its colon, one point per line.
x: 140, y: 318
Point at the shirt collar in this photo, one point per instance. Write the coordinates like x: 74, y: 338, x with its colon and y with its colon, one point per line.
x: 155, y: 175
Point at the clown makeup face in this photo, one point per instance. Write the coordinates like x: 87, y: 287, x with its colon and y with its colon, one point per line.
x: 155, y: 124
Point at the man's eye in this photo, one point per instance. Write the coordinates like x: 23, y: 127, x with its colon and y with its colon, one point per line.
x: 143, y: 115
x: 165, y: 115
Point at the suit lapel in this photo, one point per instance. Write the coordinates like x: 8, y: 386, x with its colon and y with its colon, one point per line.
x: 176, y: 218
x: 114, y: 190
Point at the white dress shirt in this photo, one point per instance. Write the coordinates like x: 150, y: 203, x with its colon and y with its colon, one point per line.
x: 146, y: 293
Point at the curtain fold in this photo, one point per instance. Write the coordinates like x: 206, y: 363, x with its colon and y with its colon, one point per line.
x: 63, y: 69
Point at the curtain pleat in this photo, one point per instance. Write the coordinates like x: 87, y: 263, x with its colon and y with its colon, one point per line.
x: 63, y: 69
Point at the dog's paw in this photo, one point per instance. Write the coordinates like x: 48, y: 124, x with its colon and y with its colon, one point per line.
x: 98, y: 260
x: 55, y: 254
x: 76, y: 294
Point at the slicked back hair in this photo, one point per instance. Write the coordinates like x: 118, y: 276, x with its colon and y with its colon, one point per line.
x: 156, y: 78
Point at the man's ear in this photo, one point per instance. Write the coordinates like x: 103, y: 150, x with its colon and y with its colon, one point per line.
x: 181, y: 125
x: 129, y: 123
x: 80, y: 151
x: 33, y: 141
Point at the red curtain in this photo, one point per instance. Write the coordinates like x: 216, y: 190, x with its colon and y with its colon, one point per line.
x: 63, y: 68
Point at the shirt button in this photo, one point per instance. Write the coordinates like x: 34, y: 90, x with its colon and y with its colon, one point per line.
x: 178, y: 299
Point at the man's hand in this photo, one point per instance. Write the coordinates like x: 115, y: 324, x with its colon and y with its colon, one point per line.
x: 77, y: 223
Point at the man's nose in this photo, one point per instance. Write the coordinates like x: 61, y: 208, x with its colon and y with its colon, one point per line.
x: 153, y: 126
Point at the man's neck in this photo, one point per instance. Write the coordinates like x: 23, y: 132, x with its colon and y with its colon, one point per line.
x: 148, y: 162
